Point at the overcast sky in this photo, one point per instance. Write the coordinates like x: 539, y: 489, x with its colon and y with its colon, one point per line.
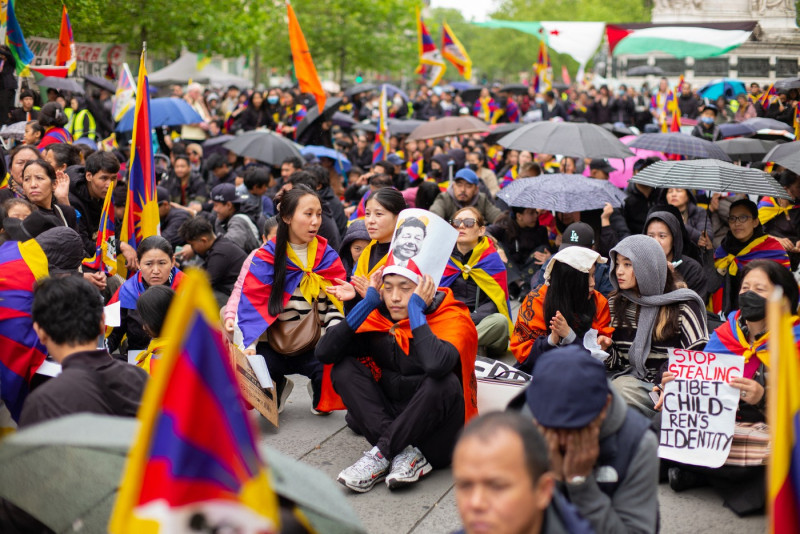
x: 471, y: 9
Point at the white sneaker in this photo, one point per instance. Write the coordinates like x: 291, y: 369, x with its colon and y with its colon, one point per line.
x: 408, y: 467
x: 369, y: 469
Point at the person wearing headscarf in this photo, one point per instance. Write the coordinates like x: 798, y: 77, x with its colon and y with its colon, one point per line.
x: 650, y: 315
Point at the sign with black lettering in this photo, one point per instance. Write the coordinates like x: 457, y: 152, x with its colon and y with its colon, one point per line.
x: 699, y: 408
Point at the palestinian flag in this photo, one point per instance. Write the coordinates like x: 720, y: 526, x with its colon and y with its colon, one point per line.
x: 677, y: 40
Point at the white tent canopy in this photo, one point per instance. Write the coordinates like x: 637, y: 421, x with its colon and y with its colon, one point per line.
x: 184, y: 69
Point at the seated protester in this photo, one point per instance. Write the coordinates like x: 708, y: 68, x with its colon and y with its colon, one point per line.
x: 258, y: 181
x: 286, y: 278
x: 745, y: 242
x: 26, y: 111
x: 781, y: 217
x: 328, y: 228
x: 706, y: 127
x: 744, y: 333
x: 218, y: 170
x: 229, y: 318
x: 53, y: 119
x: 41, y: 186
x: 563, y: 310
x: 581, y: 235
x: 171, y: 218
x: 464, y: 192
x: 152, y: 307
x: 403, y: 364
x: 355, y: 241
x: 695, y: 219
x: 156, y: 267
x: 183, y: 184
x: 615, y: 484
x: 477, y: 276
x: 19, y: 157
x: 222, y: 258
x: 521, y: 236
x: 639, y: 198
x: 237, y: 227
x: 62, y: 157
x: 650, y: 315
x: 663, y: 226
x: 68, y: 318
x: 329, y: 182
x: 87, y: 193
x: 505, y: 450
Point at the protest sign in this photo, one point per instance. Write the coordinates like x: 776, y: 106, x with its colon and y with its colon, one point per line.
x: 261, y: 399
x: 699, y: 410
x: 91, y: 58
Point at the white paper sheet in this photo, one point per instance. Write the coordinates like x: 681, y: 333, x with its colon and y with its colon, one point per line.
x: 111, y: 315
x: 259, y: 366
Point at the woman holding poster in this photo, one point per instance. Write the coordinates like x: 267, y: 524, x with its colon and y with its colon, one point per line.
x: 741, y: 480
x: 650, y: 315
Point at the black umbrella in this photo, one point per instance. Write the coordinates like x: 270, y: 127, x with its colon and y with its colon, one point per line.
x: 472, y: 94
x: 102, y: 83
x: 263, y: 145
x: 366, y: 127
x: 61, y: 84
x: 501, y: 130
x: 403, y: 127
x: 787, y: 83
x: 314, y: 118
x: 577, y: 139
x: 561, y: 192
x: 710, y: 175
x: 645, y: 70
x: 360, y: 88
x: 215, y: 144
x: 736, y: 129
x: 619, y: 129
x: 746, y: 149
x: 515, y: 88
x: 343, y: 120
x: 681, y: 144
x: 763, y: 123
x: 786, y: 155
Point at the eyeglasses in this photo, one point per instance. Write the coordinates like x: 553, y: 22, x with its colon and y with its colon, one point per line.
x: 740, y: 219
x: 193, y: 153
x: 469, y: 223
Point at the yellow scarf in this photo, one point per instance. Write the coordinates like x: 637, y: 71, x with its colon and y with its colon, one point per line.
x: 485, y: 282
x: 362, y: 267
x: 312, y: 285
x: 767, y: 213
x: 728, y: 262
x: 153, y: 353
x: 755, y: 348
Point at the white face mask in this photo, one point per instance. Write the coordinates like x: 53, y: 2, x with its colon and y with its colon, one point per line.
x: 398, y: 101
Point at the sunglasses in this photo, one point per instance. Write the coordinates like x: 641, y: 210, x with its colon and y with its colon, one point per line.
x: 468, y: 223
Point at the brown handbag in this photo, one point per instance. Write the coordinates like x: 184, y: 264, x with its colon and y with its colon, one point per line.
x: 292, y: 338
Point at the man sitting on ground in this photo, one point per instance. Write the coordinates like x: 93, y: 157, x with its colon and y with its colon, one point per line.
x: 235, y: 226
x: 462, y: 193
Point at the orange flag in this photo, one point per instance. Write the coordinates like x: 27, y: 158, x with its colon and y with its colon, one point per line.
x: 303, y: 64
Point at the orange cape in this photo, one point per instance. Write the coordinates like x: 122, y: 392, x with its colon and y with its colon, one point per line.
x: 530, y: 321
x: 450, y: 322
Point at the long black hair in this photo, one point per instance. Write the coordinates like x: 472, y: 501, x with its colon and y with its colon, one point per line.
x: 154, y: 242
x: 287, y: 208
x: 391, y: 199
x: 153, y: 305
x: 569, y: 294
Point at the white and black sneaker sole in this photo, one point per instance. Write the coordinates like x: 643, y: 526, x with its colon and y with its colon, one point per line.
x: 361, y: 489
x: 397, y: 482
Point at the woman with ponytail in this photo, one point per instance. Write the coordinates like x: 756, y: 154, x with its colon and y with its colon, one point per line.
x: 53, y: 119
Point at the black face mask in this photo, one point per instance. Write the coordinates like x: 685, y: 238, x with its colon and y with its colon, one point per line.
x: 435, y: 173
x: 753, y: 306
x: 473, y: 166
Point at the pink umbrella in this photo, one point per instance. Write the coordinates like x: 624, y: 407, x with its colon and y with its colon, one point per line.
x: 624, y: 167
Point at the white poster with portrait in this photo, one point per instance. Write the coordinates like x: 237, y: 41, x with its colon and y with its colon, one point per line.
x: 421, y: 244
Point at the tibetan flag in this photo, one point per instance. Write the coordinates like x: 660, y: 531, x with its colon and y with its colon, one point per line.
x: 303, y: 64
x: 125, y: 97
x: 454, y: 52
x: 65, y: 55
x: 431, y: 63
x: 195, y: 453
x: 765, y: 247
x: 768, y: 96
x: 361, y: 209
x: 105, y: 256
x: 769, y: 208
x: 542, y: 77
x: 487, y: 270
x: 783, y: 480
x: 381, y: 147
x: 796, y: 124
x: 21, y: 353
x: 675, y: 121
x: 16, y: 40
x: 141, y: 217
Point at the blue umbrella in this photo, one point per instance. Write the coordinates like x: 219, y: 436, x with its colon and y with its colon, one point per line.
x: 462, y: 86
x: 342, y: 163
x: 164, y: 112
x: 392, y: 90
x: 729, y: 87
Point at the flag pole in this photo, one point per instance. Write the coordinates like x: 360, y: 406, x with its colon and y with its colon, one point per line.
x: 775, y: 309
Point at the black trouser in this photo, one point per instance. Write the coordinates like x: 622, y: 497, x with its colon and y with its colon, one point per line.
x: 430, y: 419
x: 305, y: 364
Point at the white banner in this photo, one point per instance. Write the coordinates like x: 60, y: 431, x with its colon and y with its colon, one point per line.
x: 92, y: 58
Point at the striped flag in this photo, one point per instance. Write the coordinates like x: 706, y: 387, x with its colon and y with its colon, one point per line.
x: 125, y: 97
x: 431, y: 63
x: 65, y: 55
x: 141, y: 217
x: 381, y: 147
x: 783, y: 480
x: 105, y: 256
x: 768, y: 96
x: 454, y: 52
x: 542, y: 77
x: 16, y: 40
x: 195, y: 453
x: 796, y: 124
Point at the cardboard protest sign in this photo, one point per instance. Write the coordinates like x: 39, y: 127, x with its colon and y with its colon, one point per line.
x: 422, y: 244
x: 699, y: 410
x: 263, y: 400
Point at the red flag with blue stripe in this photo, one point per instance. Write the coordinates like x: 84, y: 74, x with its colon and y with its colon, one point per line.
x: 21, y: 353
x: 105, y: 256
